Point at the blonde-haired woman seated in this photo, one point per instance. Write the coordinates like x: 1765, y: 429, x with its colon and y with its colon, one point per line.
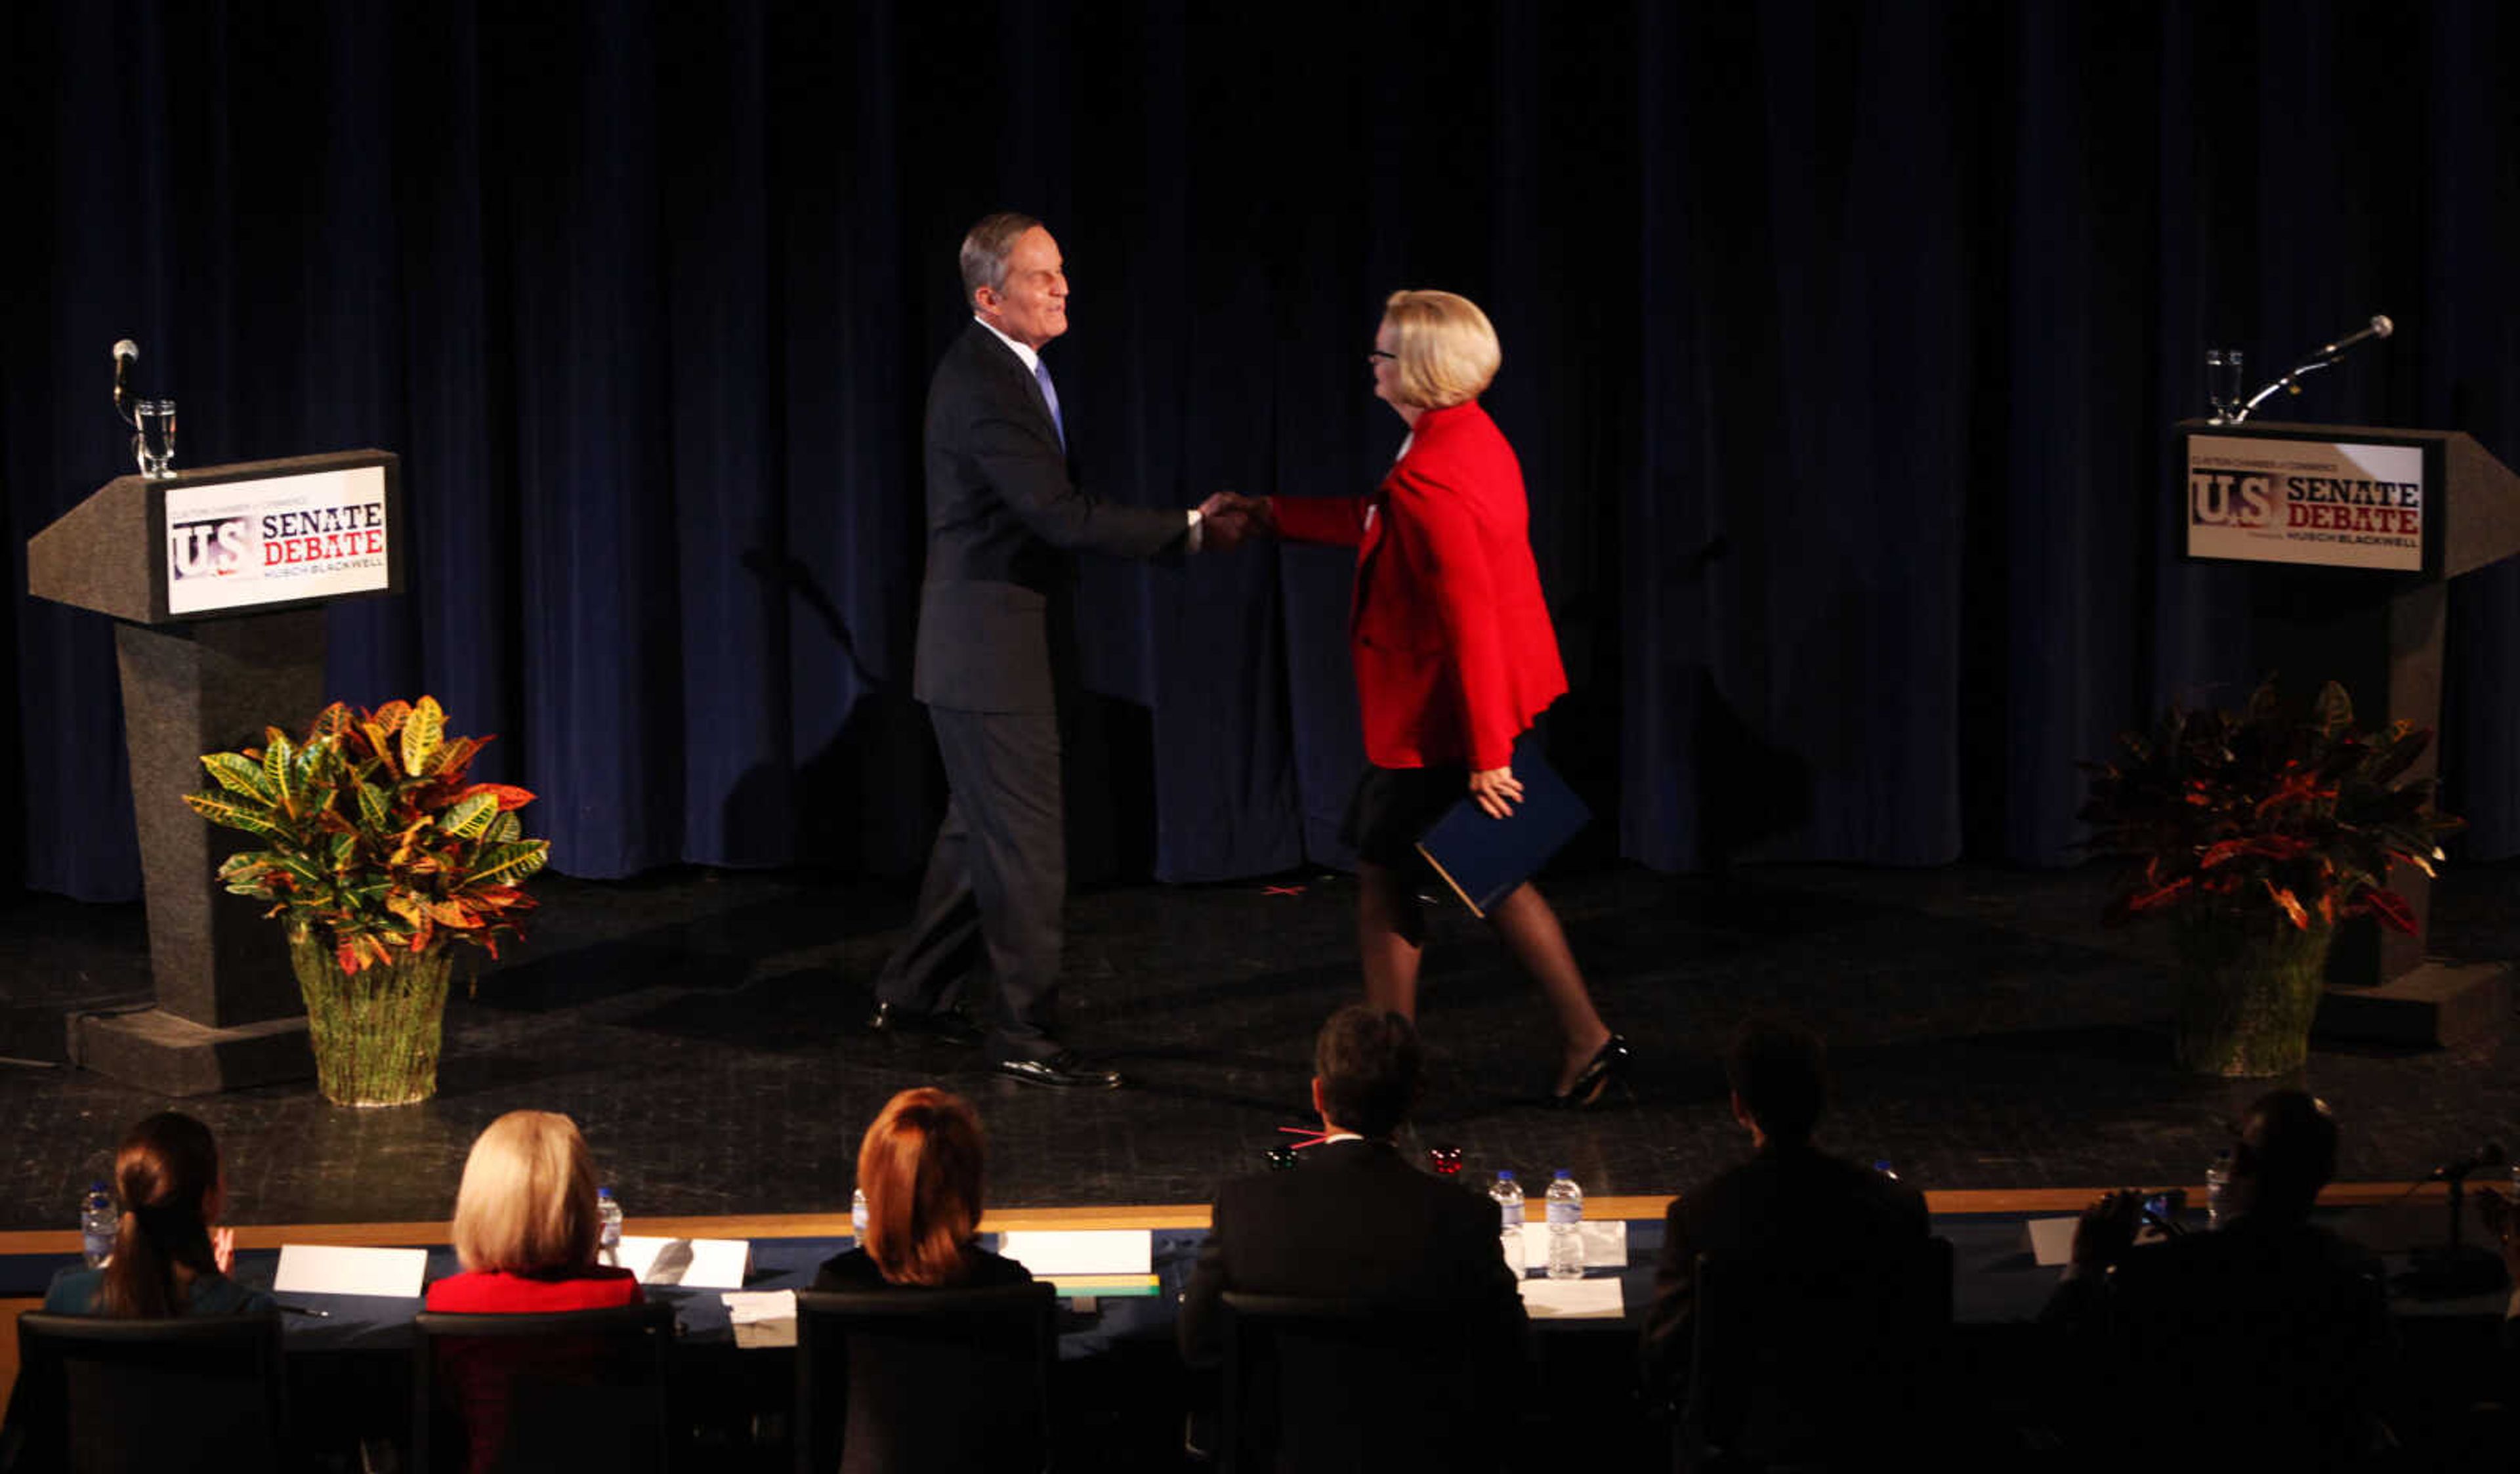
x: 525, y: 1225
x: 920, y: 1168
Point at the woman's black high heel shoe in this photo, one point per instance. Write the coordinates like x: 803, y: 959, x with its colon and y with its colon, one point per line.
x: 1607, y: 1074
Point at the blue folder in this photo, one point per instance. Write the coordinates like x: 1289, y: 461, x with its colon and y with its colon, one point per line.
x: 1483, y: 858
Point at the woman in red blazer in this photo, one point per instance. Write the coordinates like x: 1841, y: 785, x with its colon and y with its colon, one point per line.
x: 527, y: 1227
x: 1455, y: 656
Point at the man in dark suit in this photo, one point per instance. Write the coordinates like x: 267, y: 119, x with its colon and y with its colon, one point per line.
x: 1354, y: 1220
x: 1792, y: 1206
x: 1004, y: 521
x: 2266, y: 1339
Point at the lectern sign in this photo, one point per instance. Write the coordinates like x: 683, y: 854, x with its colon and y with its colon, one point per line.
x: 2337, y: 504
x: 235, y: 544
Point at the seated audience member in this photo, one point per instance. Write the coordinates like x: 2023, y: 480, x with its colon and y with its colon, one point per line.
x: 1354, y: 1220
x: 2267, y: 1336
x: 921, y: 1170
x: 1789, y: 1206
x: 525, y: 1225
x: 2503, y: 1223
x: 169, y: 1256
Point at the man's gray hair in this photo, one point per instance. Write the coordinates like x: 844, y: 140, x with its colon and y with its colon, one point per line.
x: 985, y: 248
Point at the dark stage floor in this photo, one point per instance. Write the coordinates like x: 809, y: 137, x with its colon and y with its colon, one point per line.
x: 704, y: 1028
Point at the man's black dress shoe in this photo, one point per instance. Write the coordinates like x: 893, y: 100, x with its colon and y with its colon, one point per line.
x: 1066, y: 1070
x: 943, y: 1023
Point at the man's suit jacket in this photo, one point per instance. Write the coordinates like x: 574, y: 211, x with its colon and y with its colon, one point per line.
x: 1352, y: 1220
x: 1005, y: 520
x: 1454, y: 654
x: 1786, y: 1200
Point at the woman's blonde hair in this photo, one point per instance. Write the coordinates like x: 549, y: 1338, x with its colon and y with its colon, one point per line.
x: 527, y: 1202
x: 1446, y: 349
x: 920, y: 1167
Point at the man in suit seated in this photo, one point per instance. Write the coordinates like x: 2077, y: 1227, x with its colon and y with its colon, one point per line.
x: 1354, y: 1220
x: 1803, y: 1212
x: 2267, y: 1336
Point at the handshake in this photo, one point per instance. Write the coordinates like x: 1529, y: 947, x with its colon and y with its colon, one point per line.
x: 1227, y: 519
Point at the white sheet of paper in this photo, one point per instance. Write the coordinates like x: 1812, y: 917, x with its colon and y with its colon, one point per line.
x: 337, y: 1269
x: 1083, y: 1251
x: 1597, y: 1299
x: 1606, y: 1243
x: 748, y: 1306
x: 2051, y: 1239
x: 761, y: 1317
x: 708, y: 1264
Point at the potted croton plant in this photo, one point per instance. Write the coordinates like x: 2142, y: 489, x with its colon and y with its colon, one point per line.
x: 2256, y: 832
x: 378, y: 857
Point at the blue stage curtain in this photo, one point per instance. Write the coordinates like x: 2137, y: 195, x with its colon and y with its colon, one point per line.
x: 1841, y: 347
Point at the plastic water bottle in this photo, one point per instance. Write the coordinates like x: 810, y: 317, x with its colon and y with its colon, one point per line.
x: 1565, y: 1228
x: 1507, y: 1194
x: 98, y: 1224
x: 608, y: 1213
x: 2218, y: 1189
x: 857, y: 1215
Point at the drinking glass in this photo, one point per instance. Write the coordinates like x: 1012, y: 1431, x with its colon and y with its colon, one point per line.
x: 2222, y: 373
x: 155, y: 446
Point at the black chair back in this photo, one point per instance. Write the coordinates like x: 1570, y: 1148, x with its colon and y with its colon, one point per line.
x: 1326, y: 1385
x: 566, y: 1390
x: 1816, y: 1363
x: 199, y: 1391
x: 907, y: 1380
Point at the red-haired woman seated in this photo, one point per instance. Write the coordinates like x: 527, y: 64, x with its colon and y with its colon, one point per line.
x: 920, y: 1168
x: 525, y: 1225
x: 170, y: 1257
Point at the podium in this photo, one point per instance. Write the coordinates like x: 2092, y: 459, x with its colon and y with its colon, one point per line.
x: 216, y: 580
x: 2346, y: 538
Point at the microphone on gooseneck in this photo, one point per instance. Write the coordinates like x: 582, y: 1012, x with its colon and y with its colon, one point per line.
x: 2488, y: 1155
x: 125, y: 353
x: 2381, y: 326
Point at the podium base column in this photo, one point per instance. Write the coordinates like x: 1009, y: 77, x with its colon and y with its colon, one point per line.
x: 159, y: 1052
x: 2437, y: 1006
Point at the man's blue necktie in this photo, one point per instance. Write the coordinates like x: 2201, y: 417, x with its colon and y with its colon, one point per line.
x: 1050, y: 395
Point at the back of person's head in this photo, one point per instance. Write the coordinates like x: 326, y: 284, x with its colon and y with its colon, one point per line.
x: 2287, y: 1153
x: 1367, y: 1063
x: 921, y: 1168
x: 1445, y: 348
x: 527, y: 1203
x: 1778, y: 1070
x: 164, y: 1173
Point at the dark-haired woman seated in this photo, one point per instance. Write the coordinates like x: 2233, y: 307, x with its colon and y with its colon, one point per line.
x: 169, y: 1256
x: 920, y: 1168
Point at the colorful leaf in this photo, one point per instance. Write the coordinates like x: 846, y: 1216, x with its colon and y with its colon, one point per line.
x: 226, y: 812
x: 276, y: 757
x: 470, y: 819
x: 508, y: 864
x: 2292, y: 905
x: 421, y: 733
x: 376, y: 811
x: 510, y: 797
x: 381, y: 743
x: 2390, y: 909
x: 333, y: 721
x: 233, y: 771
